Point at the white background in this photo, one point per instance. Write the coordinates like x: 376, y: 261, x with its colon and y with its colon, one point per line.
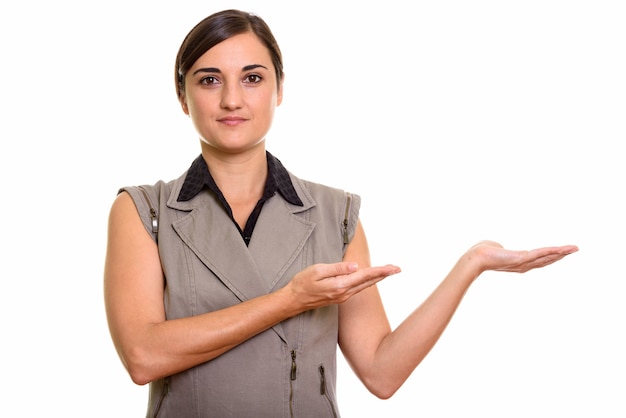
x: 455, y: 121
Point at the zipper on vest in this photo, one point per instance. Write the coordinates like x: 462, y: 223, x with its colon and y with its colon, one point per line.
x: 292, y: 377
x: 323, y: 391
x: 293, y: 365
x: 153, y: 214
x: 346, y: 217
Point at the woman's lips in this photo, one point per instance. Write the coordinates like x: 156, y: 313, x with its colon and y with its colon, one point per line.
x: 232, y: 120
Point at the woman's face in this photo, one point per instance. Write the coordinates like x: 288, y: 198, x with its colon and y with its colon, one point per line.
x: 231, y: 93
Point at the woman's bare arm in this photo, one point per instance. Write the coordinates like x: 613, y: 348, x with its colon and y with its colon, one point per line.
x: 383, y: 359
x: 151, y: 347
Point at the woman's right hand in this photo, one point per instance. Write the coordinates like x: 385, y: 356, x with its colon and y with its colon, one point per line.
x: 325, y: 284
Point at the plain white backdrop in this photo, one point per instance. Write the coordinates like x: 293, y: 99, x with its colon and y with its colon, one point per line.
x: 455, y: 121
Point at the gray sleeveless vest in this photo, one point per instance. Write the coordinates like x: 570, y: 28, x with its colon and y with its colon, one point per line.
x: 286, y: 371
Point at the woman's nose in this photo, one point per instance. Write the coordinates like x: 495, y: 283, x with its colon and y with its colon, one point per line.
x: 231, y: 96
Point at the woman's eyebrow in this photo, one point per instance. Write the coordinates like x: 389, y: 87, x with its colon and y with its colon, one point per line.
x: 207, y: 70
x: 218, y: 71
x: 253, y: 66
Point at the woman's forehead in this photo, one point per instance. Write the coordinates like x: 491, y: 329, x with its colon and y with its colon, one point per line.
x: 239, y: 50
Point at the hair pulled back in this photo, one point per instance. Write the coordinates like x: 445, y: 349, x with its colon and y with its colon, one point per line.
x: 217, y: 28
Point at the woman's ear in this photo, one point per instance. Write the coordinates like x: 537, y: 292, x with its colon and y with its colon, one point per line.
x: 279, y: 96
x: 183, y: 103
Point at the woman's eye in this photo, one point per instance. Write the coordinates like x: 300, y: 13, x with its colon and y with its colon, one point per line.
x: 253, y: 79
x: 209, y: 80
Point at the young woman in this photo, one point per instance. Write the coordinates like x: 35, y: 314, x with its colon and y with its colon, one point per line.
x: 228, y: 288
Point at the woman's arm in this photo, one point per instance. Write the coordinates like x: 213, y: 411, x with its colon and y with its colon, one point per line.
x: 383, y: 359
x: 151, y: 347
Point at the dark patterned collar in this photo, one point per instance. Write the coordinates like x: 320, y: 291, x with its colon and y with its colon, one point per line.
x: 278, y: 180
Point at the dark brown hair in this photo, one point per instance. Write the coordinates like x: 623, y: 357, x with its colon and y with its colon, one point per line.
x: 217, y: 28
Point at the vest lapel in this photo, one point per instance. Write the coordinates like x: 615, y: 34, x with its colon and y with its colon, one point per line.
x: 278, y: 238
x: 211, y: 235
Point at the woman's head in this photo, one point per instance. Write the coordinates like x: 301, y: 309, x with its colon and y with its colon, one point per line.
x: 217, y: 28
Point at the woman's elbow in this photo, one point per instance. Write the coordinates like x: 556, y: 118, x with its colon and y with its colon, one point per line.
x: 383, y: 393
x: 139, y: 377
x: 382, y: 388
x: 140, y: 370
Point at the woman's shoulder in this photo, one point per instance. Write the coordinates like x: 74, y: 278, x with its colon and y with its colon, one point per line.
x: 317, y: 189
x: 153, y: 192
x: 327, y: 196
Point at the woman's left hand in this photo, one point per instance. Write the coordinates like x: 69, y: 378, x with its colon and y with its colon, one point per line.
x: 492, y: 256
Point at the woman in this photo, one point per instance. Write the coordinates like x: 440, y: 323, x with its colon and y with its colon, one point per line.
x: 229, y: 288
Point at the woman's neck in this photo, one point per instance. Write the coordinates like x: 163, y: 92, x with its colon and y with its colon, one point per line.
x: 240, y: 177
